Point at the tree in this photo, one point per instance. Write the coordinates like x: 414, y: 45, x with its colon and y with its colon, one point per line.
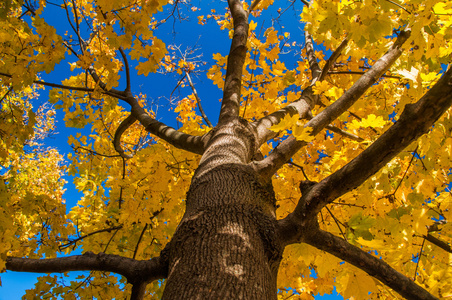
x: 344, y: 159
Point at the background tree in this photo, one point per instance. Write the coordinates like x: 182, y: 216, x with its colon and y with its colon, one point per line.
x: 316, y: 159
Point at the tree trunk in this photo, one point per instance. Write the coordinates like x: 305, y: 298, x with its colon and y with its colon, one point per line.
x: 226, y: 245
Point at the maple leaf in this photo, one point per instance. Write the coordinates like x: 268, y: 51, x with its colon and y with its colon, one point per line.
x: 302, y: 133
x: 286, y: 123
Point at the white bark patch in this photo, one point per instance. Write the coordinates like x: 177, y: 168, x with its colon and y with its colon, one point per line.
x: 236, y: 270
x: 236, y: 229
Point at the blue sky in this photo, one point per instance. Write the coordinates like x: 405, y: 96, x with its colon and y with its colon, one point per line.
x: 209, y: 38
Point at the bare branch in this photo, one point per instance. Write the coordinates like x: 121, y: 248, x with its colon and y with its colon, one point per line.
x: 268, y: 166
x: 178, y: 139
x: 371, y: 265
x: 133, y: 270
x: 125, y: 124
x: 198, y: 101
x: 233, y: 82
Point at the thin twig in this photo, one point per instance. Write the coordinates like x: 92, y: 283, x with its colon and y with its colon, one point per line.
x: 418, y: 259
x: 80, y: 40
x: 6, y: 94
x: 55, y: 85
x: 301, y: 168
x: 396, y: 4
x: 139, y: 240
x: 330, y: 62
x: 94, y: 152
x: 422, y: 161
x: 404, y: 174
x: 198, y: 101
x: 73, y: 242
x: 111, y: 238
x: 336, y: 221
x: 344, y: 133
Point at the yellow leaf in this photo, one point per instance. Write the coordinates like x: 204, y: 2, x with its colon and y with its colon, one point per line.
x: 320, y: 87
x: 286, y: 123
x: 374, y: 244
x: 302, y: 133
x: 373, y: 121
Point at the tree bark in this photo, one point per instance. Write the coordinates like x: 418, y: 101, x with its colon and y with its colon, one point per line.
x: 226, y: 246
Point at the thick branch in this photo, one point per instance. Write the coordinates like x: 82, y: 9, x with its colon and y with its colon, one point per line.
x: 138, y: 290
x: 371, y: 265
x: 133, y: 270
x: 360, y: 73
x: 126, y: 64
x: 415, y: 120
x: 302, y: 107
x: 125, y: 124
x: 176, y: 138
x: 268, y: 166
x: 233, y: 82
x: 312, y: 60
x: 437, y: 242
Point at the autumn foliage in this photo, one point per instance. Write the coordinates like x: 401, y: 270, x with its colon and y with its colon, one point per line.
x: 348, y: 112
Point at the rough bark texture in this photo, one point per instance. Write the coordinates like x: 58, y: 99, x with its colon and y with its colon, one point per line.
x: 225, y: 246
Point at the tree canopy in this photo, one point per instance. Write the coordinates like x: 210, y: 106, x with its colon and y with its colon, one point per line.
x: 346, y: 114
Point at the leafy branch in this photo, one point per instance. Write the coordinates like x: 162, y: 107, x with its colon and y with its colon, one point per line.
x: 268, y: 166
